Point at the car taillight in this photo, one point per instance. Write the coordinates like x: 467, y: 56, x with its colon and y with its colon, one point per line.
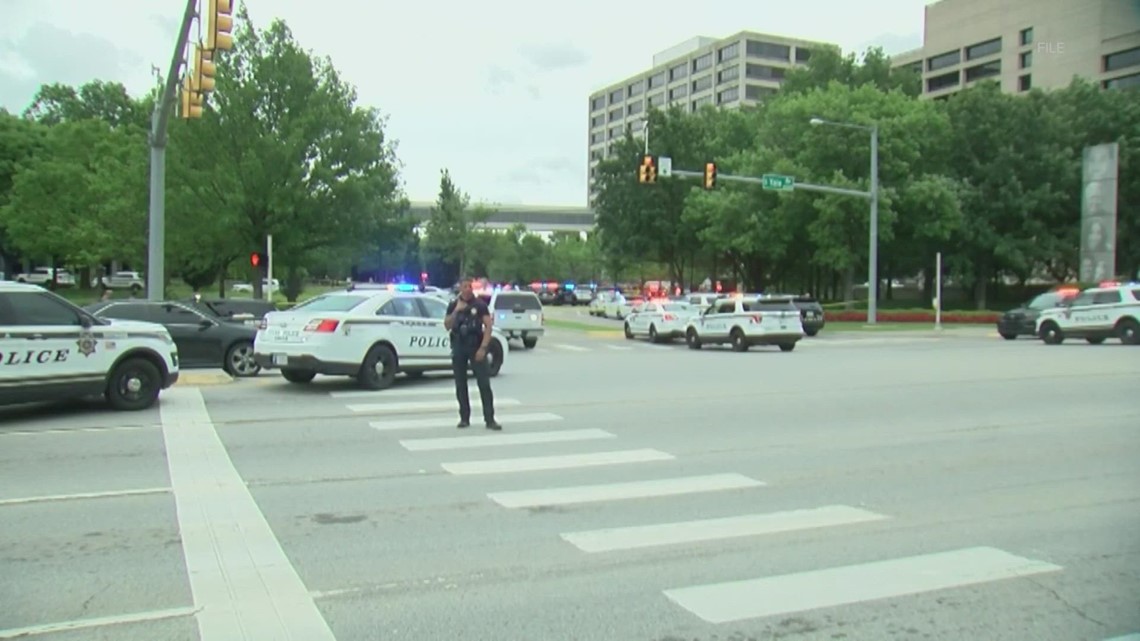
x: 670, y: 317
x: 756, y: 318
x: 322, y: 326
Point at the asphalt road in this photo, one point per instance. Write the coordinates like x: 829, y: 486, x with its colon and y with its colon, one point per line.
x: 870, y: 487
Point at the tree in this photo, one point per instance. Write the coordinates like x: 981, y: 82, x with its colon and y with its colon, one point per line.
x: 450, y: 231
x: 97, y: 100
x: 282, y: 149
x: 828, y: 64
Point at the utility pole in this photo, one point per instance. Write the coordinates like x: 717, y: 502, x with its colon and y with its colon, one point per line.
x: 156, y: 240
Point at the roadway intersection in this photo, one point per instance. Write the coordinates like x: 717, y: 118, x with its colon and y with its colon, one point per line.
x: 861, y: 487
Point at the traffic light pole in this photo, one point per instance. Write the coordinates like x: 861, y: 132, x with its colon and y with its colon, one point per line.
x: 156, y: 239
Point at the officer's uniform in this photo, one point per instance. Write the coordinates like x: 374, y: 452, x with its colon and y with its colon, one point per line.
x: 466, y: 337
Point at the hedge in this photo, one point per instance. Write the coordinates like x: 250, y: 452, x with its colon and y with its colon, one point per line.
x: 913, y: 316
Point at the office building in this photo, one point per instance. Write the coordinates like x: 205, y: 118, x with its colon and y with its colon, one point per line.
x: 728, y: 72
x: 1025, y: 44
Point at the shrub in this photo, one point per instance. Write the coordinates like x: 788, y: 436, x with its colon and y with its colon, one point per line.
x: 914, y: 316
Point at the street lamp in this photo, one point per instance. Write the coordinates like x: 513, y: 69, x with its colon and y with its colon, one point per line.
x: 645, y: 133
x: 873, y: 251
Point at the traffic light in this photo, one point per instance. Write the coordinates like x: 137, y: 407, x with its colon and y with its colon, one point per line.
x: 647, y: 170
x: 423, y: 277
x: 204, y: 69
x: 710, y: 175
x: 191, y: 97
x: 258, y: 260
x: 219, y: 36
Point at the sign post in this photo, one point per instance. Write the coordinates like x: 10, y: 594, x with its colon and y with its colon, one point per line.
x: 938, y: 291
x: 269, y: 268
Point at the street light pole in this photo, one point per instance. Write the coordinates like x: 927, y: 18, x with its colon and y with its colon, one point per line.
x: 873, y: 195
x: 645, y: 134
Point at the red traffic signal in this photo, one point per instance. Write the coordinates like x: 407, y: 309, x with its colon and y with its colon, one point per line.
x: 257, y: 259
x: 423, y: 276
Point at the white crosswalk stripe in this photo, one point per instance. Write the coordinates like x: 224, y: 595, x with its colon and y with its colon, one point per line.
x: 521, y: 460
x: 571, y: 348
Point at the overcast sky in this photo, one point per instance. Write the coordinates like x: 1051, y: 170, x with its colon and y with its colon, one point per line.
x: 496, y: 91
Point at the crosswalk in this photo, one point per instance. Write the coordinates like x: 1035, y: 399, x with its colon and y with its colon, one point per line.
x: 515, y: 455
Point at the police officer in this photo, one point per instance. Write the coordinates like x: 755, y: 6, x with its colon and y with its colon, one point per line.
x: 469, y: 321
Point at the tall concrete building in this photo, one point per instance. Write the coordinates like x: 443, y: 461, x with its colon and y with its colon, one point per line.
x: 1027, y: 43
x: 729, y: 72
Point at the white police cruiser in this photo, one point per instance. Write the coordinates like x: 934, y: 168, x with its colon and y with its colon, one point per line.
x: 746, y: 321
x: 368, y: 334
x: 660, y: 320
x: 52, y: 350
x: 1095, y: 314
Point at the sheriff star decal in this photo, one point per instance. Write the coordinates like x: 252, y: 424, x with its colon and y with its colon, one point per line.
x: 86, y: 343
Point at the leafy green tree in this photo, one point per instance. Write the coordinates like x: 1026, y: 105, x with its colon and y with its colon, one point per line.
x: 282, y: 149
x: 828, y: 64
x: 450, y: 232
x: 97, y: 100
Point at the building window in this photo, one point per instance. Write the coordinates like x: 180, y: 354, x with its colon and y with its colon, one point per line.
x: 678, y: 72
x: 983, y: 49
x: 914, y: 67
x: 616, y: 96
x: 730, y: 74
x: 598, y: 120
x: 1122, y: 59
x: 615, y: 114
x: 597, y: 137
x: 1026, y: 37
x: 657, y: 80
x: 702, y: 83
x: 937, y: 83
x: 656, y: 100
x: 803, y: 55
x: 729, y: 52
x: 757, y: 92
x: 701, y: 102
x: 728, y: 95
x: 943, y: 60
x: 1124, y: 82
x: 597, y: 103
x: 763, y: 72
x: 635, y: 108
x: 768, y: 51
x: 678, y: 92
x: 596, y: 154
x: 984, y: 70
x: 702, y: 63
x: 1024, y: 83
x: 616, y: 132
x: 636, y: 89
x: 1025, y: 60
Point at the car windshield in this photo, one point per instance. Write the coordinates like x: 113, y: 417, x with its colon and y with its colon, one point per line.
x: 331, y: 303
x: 525, y: 301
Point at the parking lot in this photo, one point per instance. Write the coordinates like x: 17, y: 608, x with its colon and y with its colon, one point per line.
x: 864, y: 486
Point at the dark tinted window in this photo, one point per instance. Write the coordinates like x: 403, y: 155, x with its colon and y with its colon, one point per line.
x: 511, y: 301
x: 126, y: 311
x: 1106, y: 298
x: 778, y: 305
x: 331, y: 303
x: 174, y: 315
x: 1046, y: 300
x: 401, y: 307
x: 35, y: 308
x: 433, y: 307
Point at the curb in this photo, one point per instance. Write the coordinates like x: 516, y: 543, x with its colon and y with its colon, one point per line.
x: 204, y: 378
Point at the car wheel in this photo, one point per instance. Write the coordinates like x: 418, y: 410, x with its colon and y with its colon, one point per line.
x: 738, y: 342
x: 1051, y: 334
x: 1128, y: 331
x: 628, y: 332
x: 378, y: 371
x: 1007, y: 336
x: 653, y: 337
x: 787, y: 347
x: 494, y: 357
x: 529, y: 343
x: 134, y: 385
x: 692, y: 340
x: 239, y: 360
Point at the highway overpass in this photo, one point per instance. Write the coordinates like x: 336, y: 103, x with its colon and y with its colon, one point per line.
x: 536, y: 218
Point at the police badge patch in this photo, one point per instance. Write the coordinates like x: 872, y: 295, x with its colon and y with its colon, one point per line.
x: 86, y: 343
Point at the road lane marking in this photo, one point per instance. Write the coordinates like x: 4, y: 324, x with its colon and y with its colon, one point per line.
x: 791, y: 593
x: 619, y: 348
x: 495, y: 439
x: 85, y: 495
x: 570, y: 348
x: 620, y: 491
x: 559, y: 462
x: 428, y: 406
x: 241, y: 580
x: 96, y: 622
x: 444, y: 421
x: 644, y: 536
x: 442, y: 390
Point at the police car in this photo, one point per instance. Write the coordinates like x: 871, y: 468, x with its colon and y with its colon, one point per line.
x: 1095, y: 314
x: 660, y: 320
x: 746, y: 321
x: 53, y: 350
x: 369, y: 334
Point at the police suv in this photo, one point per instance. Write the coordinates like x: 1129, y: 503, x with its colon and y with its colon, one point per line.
x: 744, y: 322
x: 53, y: 350
x: 517, y: 313
x: 368, y: 334
x: 1095, y: 314
x: 660, y: 320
